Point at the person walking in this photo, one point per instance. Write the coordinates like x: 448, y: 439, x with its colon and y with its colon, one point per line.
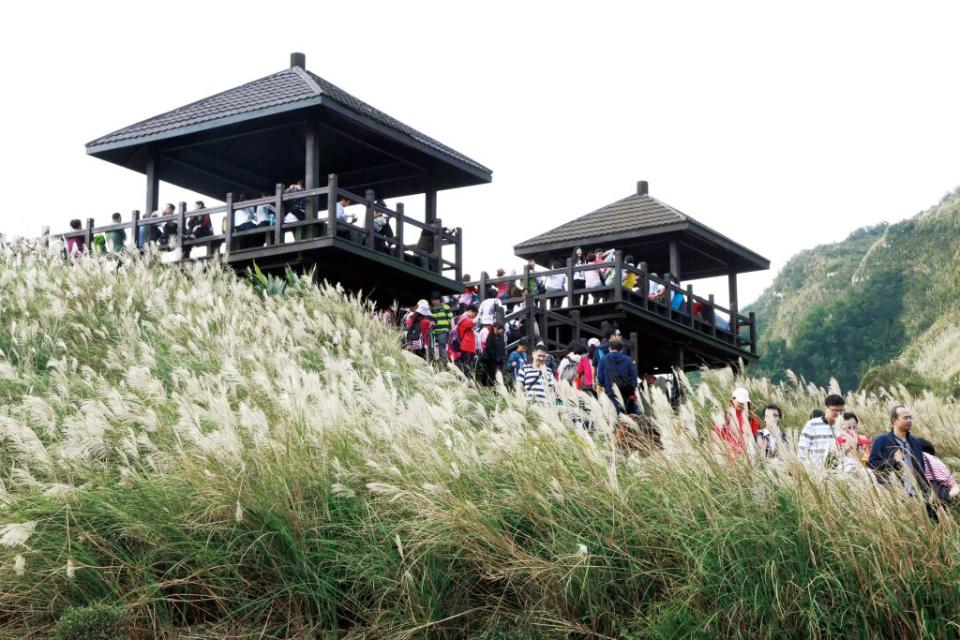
x: 620, y: 374
x: 493, y: 355
x: 116, y: 238
x: 818, y: 438
x: 442, y: 321
x: 739, y: 429
x: 538, y: 384
x: 898, y: 454
x: 467, y: 339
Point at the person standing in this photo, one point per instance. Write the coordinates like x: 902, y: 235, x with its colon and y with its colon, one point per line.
x: 493, y: 354
x: 442, y: 319
x: 555, y: 285
x: 76, y: 245
x: 579, y: 278
x: 538, y: 383
x: 899, y: 454
x: 468, y: 339
x: 491, y: 309
x: 116, y: 238
x: 567, y: 369
x: 419, y: 327
x: 739, y: 429
x: 517, y: 361
x: 770, y: 435
x: 818, y: 439
x: 620, y: 374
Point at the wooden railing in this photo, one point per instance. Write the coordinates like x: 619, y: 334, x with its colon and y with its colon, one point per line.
x: 426, y: 255
x: 675, y: 303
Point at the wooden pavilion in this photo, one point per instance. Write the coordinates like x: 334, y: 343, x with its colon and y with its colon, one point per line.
x: 667, y: 324
x: 294, y: 126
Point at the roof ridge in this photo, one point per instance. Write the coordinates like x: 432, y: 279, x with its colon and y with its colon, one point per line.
x: 183, y: 107
x: 307, y: 77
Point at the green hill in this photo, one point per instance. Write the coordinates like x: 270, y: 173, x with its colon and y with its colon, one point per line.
x: 881, y: 302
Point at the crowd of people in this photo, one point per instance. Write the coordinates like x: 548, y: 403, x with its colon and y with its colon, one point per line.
x: 834, y: 438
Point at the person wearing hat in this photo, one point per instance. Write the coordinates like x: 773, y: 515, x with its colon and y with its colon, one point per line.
x: 739, y: 429
x: 442, y: 321
x: 419, y: 329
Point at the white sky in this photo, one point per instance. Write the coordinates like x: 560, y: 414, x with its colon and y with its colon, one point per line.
x: 781, y: 125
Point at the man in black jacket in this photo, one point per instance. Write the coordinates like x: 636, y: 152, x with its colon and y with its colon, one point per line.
x: 899, y: 453
x: 620, y: 372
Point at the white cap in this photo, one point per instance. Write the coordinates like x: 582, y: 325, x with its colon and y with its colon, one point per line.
x: 741, y: 395
x: 593, y: 342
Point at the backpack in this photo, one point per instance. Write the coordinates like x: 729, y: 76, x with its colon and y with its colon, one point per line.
x: 412, y: 337
x: 453, y: 338
x: 568, y: 370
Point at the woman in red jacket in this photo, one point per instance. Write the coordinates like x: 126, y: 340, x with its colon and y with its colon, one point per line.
x: 468, y: 339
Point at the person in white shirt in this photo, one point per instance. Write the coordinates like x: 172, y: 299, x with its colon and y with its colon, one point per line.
x: 342, y: 212
x: 489, y: 309
x: 556, y: 283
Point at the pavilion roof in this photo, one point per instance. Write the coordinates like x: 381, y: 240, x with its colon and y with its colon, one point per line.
x: 288, y: 90
x: 640, y: 219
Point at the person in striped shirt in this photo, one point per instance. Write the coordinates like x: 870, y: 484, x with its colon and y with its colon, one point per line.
x: 443, y: 320
x: 934, y: 469
x: 539, y: 385
x: 819, y: 438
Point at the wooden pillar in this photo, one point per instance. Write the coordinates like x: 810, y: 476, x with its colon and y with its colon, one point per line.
x: 483, y: 285
x: 570, y: 285
x: 153, y: 185
x: 369, y: 198
x: 575, y: 316
x: 643, y: 284
x: 690, y: 319
x: 753, y: 333
x: 135, y: 228
x: 734, y: 306
x: 181, y: 225
x: 459, y: 251
x: 713, y: 316
x: 88, y: 236
x: 531, y: 320
x: 430, y: 206
x: 618, y: 275
x: 311, y: 177
x: 332, y: 197
x: 634, y: 346
x: 437, y: 247
x: 278, y: 205
x: 680, y: 357
x: 399, y: 234
x: 675, y: 259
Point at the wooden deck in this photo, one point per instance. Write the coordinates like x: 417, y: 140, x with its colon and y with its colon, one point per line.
x: 384, y: 267
x: 676, y: 329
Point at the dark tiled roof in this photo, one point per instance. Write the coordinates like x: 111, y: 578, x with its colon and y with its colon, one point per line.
x: 639, y: 213
x: 277, y: 90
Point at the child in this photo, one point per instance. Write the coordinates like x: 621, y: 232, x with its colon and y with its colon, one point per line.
x: 517, y: 360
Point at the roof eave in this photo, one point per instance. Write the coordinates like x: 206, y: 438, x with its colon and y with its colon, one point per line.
x: 523, y: 249
x: 758, y: 262
x: 482, y: 174
x: 95, y: 149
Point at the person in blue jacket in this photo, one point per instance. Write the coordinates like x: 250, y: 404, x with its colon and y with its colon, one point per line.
x: 899, y: 454
x: 620, y: 372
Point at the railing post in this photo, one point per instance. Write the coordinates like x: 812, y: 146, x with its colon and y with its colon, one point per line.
x: 438, y: 247
x: 228, y: 241
x: 459, y: 250
x: 570, y: 285
x: 575, y: 316
x: 618, y: 275
x: 643, y: 283
x: 483, y: 285
x: 399, y: 235
x: 332, y: 197
x: 690, y: 320
x: 181, y: 225
x: 753, y: 333
x: 88, y: 236
x: 713, y: 316
x: 369, y: 198
x: 135, y: 228
x: 278, y: 205
x: 526, y: 283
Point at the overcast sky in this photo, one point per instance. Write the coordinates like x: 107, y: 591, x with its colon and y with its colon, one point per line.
x: 782, y: 126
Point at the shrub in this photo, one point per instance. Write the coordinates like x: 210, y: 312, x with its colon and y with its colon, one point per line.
x: 94, y: 622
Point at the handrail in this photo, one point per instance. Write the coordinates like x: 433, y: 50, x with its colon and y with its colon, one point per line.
x: 364, y: 233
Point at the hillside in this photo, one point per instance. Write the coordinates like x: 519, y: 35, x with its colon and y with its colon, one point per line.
x: 188, y: 454
x: 886, y: 294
